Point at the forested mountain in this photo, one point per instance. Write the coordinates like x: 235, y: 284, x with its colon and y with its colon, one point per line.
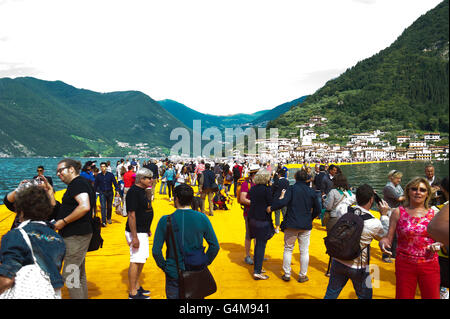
x: 187, y: 116
x: 260, y: 118
x: 42, y: 118
x: 404, y: 87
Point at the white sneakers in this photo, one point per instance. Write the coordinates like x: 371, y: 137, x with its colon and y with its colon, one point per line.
x: 260, y: 277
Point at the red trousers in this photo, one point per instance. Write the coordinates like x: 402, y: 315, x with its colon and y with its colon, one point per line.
x: 408, y: 274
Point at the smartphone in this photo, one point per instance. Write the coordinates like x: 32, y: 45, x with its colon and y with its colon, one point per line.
x: 377, y: 198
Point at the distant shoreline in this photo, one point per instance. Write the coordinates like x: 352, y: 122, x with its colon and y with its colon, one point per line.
x: 354, y: 163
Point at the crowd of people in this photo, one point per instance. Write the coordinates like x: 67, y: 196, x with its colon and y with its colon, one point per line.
x: 412, y: 229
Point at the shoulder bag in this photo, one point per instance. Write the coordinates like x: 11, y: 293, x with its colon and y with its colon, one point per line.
x: 193, y: 284
x: 96, y: 239
x: 30, y: 282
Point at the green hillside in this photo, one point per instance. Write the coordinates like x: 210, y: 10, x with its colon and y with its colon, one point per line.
x: 402, y: 88
x: 42, y: 118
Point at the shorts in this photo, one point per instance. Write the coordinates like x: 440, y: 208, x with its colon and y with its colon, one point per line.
x: 139, y: 255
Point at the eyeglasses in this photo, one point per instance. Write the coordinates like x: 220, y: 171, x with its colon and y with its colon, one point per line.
x: 58, y: 171
x: 422, y: 190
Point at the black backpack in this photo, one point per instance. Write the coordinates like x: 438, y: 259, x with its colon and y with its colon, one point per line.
x: 343, y: 240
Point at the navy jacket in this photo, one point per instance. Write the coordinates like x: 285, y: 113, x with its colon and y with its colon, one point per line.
x: 154, y: 168
x: 282, y: 183
x: 260, y: 199
x: 209, y: 178
x: 303, y: 206
x: 103, y: 183
x: 326, y: 184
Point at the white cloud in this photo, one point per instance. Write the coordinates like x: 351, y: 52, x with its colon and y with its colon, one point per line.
x: 217, y: 57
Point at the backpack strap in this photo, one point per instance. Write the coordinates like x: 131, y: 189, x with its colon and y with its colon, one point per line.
x: 365, y: 217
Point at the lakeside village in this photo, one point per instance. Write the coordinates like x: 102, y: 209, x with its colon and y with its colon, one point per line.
x: 361, y: 147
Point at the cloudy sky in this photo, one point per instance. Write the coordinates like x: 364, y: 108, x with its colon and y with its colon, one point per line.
x: 215, y: 56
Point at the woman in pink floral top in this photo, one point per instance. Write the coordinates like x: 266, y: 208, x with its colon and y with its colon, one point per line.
x: 417, y: 258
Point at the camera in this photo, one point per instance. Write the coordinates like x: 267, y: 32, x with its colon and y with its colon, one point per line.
x: 26, y: 184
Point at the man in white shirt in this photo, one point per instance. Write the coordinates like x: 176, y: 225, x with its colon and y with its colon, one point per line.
x: 357, y: 270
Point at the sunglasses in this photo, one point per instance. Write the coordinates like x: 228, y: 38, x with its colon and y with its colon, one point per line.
x: 422, y: 190
x: 61, y: 169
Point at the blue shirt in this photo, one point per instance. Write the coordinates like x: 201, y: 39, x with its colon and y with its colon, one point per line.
x: 103, y: 183
x: 88, y: 175
x: 169, y: 174
x: 193, y: 227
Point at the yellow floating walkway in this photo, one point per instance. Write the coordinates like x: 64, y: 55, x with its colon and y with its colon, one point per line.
x: 107, y: 268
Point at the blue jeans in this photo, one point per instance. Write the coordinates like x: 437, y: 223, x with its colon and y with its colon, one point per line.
x: 161, y: 188
x: 106, y: 199
x: 319, y: 197
x: 260, y: 249
x: 172, y: 290
x: 340, y: 274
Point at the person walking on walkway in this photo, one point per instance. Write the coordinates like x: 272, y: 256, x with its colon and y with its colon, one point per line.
x: 302, y: 207
x: 280, y: 183
x: 209, y: 187
x: 74, y: 223
x: 339, y: 197
x: 393, y: 194
x: 357, y: 270
x: 190, y: 228
x: 137, y: 231
x: 103, y: 185
x: 169, y: 176
x: 260, y: 222
x: 417, y: 258
x: 244, y: 200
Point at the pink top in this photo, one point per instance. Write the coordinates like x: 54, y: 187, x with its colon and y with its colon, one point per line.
x: 412, y: 237
x: 200, y: 168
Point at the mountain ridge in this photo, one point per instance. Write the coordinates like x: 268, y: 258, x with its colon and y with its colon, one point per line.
x: 83, y: 121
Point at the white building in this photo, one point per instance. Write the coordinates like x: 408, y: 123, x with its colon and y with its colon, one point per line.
x: 366, y: 137
x: 417, y: 144
x: 432, y: 136
x: 403, y: 139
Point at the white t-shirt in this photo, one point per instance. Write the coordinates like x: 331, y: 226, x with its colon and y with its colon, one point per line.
x: 372, y: 230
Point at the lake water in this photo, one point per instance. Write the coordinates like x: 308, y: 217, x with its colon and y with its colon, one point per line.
x: 14, y: 170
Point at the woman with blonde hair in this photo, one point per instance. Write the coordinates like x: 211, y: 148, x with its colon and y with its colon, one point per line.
x: 260, y: 219
x: 417, y: 258
x: 393, y: 194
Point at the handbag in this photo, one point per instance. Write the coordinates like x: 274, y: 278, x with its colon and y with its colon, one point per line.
x: 96, y: 239
x: 193, y: 284
x: 327, y: 213
x: 30, y: 282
